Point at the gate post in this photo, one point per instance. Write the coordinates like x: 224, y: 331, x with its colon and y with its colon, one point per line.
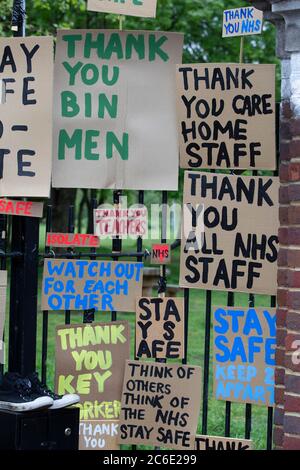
x: 24, y: 270
x: 286, y: 16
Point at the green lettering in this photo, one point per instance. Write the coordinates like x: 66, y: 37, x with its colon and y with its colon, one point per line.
x: 90, y: 145
x: 71, y: 43
x: 110, y: 106
x: 112, y: 144
x: 69, y: 106
x: 155, y: 48
x: 69, y: 141
x: 137, y: 43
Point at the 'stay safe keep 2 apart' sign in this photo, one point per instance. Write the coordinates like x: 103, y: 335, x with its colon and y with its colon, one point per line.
x: 26, y: 76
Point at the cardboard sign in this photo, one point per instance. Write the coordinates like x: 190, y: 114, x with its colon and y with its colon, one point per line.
x: 142, y: 8
x: 160, y: 253
x: 23, y: 208
x: 66, y: 240
x: 160, y: 405
x: 26, y: 70
x: 90, y: 361
x: 122, y: 222
x: 242, y: 22
x: 3, y: 292
x: 159, y: 328
x: 84, y: 285
x: 221, y: 443
x: 226, y: 116
x: 236, y: 247
x: 114, y: 101
x: 244, y: 354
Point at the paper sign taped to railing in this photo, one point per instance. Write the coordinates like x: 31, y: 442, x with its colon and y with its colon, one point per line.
x: 215, y: 443
x: 90, y: 361
x: 84, y: 285
x: 26, y: 76
x: 230, y: 233
x: 226, y: 116
x: 160, y: 405
x: 142, y: 8
x: 3, y: 292
x: 242, y: 22
x: 159, y: 328
x: 115, y: 110
x: 98, y: 434
x: 22, y: 208
x: 244, y: 354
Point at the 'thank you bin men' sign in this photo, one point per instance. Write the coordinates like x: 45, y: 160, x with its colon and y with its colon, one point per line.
x: 143, y: 8
x: 237, y: 247
x: 244, y: 354
x: 226, y: 116
x: 26, y: 74
x: 115, y: 121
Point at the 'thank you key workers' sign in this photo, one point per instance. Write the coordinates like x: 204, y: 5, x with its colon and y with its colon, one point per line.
x: 242, y: 22
x: 83, y: 285
x: 142, y: 8
x: 236, y: 247
x: 226, y: 116
x: 115, y: 111
x: 90, y: 361
x: 244, y: 354
x: 26, y: 78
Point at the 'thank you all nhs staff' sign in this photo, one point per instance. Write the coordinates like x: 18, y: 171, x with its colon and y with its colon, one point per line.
x: 230, y: 233
x: 82, y: 285
x: 244, y: 354
x: 242, y: 22
x: 142, y: 8
x: 26, y: 73
x: 115, y: 122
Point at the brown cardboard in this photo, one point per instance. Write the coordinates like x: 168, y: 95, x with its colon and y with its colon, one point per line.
x: 142, y: 122
x: 177, y: 385
x: 143, y: 8
x: 160, y: 253
x: 159, y: 328
x: 217, y: 246
x: 83, y: 285
x: 249, y: 140
x: 98, y: 435
x: 93, y: 366
x: 27, y: 103
x: 212, y: 443
x: 244, y: 354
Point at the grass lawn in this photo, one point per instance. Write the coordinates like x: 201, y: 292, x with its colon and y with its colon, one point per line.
x: 216, y: 409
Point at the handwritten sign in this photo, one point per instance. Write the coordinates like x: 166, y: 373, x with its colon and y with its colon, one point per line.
x: 83, y: 285
x: 160, y: 328
x: 122, y: 222
x: 66, y: 240
x: 160, y: 405
x: 226, y: 116
x: 98, y: 435
x: 237, y: 249
x: 3, y: 293
x: 26, y: 74
x: 142, y: 8
x: 114, y: 100
x: 244, y: 354
x: 160, y: 253
x: 242, y: 22
x: 90, y: 361
x: 215, y: 443
x: 23, y: 208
